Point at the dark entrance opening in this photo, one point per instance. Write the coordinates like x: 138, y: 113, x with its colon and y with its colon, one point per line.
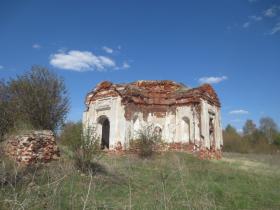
x: 105, y: 134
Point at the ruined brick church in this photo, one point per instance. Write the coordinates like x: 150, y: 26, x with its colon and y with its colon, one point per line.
x: 189, y: 116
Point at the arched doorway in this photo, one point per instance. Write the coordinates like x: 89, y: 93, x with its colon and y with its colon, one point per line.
x: 105, y: 132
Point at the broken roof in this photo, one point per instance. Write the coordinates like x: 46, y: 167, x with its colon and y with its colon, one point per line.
x: 154, y: 92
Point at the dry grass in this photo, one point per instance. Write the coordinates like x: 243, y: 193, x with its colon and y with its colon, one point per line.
x: 258, y: 163
x: 168, y: 181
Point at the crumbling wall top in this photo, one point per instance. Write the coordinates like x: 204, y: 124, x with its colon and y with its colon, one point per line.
x: 155, y: 92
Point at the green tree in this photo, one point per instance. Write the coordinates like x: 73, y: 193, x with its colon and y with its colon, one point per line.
x: 6, y: 120
x: 40, y: 98
x: 269, y: 128
x: 277, y: 139
x: 249, y: 127
x: 230, y: 129
x: 233, y: 141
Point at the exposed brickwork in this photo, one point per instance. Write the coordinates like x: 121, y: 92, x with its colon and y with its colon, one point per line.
x: 204, y: 154
x: 210, y: 154
x: 160, y: 100
x: 32, y: 147
x: 157, y: 97
x: 196, y: 149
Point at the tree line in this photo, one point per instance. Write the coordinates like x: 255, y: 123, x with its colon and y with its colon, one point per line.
x: 262, y: 139
x: 38, y: 99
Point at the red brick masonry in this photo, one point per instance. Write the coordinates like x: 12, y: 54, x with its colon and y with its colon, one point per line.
x: 32, y: 147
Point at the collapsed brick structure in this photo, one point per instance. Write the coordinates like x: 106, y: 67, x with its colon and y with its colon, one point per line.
x: 32, y: 147
x: 182, y: 115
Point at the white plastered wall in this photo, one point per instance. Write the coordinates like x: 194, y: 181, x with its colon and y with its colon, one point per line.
x: 206, y: 109
x: 112, y: 109
x: 173, y: 126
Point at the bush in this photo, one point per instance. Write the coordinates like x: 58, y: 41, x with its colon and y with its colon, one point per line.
x: 85, y: 146
x: 71, y: 135
x: 277, y: 139
x: 6, y: 120
x: 20, y: 127
x: 146, y: 141
x: 40, y: 97
x: 86, y: 156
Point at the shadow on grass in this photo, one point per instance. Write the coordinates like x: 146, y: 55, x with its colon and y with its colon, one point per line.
x: 89, y: 167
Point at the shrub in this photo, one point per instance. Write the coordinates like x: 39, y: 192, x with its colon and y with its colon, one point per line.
x: 20, y: 127
x: 147, y: 138
x: 6, y: 120
x: 277, y: 139
x: 71, y: 135
x: 86, y: 156
x: 40, y: 97
x: 85, y: 146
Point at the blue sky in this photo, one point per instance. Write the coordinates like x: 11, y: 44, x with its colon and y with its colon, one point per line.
x: 235, y: 45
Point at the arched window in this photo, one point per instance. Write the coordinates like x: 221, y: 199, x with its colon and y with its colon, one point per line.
x: 212, y: 131
x: 185, y: 129
x: 136, y: 126
x: 158, y: 131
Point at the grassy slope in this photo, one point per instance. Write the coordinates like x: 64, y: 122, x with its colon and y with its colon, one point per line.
x: 168, y: 181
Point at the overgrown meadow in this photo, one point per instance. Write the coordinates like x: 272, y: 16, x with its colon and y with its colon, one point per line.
x: 171, y: 180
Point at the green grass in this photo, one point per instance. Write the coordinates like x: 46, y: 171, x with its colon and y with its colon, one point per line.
x: 168, y: 181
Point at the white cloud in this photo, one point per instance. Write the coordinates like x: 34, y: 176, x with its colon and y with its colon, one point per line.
x: 275, y: 29
x: 246, y: 24
x: 36, y: 46
x: 272, y: 11
x: 239, y: 111
x: 125, y: 65
x: 212, y: 80
x: 236, y: 120
x: 252, y: 18
x: 81, y: 61
x: 240, y: 130
x: 255, y: 18
x: 108, y: 49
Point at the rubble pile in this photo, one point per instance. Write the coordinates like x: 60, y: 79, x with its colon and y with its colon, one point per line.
x: 32, y: 147
x: 180, y: 146
x: 202, y: 153
x: 209, y: 154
